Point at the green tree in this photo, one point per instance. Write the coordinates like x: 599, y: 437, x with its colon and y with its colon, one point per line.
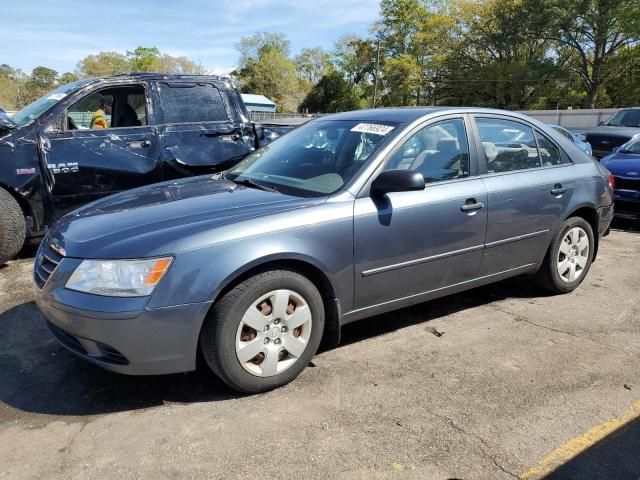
x: 143, y: 59
x: 589, y: 33
x: 493, y: 60
x: 180, y: 65
x: 103, y: 64
x: 41, y: 80
x: 331, y: 94
x: 67, y: 77
x: 271, y: 74
x: 251, y: 48
x: 312, y: 64
x: 625, y: 90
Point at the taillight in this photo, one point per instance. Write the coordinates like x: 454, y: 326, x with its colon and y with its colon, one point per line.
x: 612, y: 182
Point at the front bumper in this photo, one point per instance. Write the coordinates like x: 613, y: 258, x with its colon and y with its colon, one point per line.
x: 627, y: 204
x: 121, y: 334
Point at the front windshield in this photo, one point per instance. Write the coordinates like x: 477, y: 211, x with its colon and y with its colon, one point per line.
x: 317, y: 158
x: 32, y: 111
x: 632, y: 147
x: 624, y: 118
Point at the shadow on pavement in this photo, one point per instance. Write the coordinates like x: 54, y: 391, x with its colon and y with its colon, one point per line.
x: 616, y: 456
x: 626, y: 226
x: 37, y: 375
x: 519, y: 287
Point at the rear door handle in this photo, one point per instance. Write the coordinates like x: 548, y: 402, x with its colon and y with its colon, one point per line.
x: 558, y: 189
x: 139, y: 144
x: 471, y: 205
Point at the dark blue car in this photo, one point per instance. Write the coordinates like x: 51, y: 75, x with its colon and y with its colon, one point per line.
x: 348, y: 216
x: 624, y: 165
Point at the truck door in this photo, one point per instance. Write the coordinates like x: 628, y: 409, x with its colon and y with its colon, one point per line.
x: 201, y: 131
x: 89, y: 159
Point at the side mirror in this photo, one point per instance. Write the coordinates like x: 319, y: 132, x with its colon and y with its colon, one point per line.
x: 615, y: 149
x: 397, y: 181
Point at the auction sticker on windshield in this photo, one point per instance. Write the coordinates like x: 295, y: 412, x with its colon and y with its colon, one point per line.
x: 374, y: 128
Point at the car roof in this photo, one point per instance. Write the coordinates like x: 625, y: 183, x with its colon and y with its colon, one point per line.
x: 410, y: 114
x: 149, y: 76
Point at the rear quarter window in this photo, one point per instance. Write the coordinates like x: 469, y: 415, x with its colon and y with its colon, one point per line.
x: 188, y: 103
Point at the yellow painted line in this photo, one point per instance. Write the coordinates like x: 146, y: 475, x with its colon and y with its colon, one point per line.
x: 579, y: 444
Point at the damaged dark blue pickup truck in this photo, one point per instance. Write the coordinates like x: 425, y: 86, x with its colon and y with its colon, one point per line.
x: 99, y: 136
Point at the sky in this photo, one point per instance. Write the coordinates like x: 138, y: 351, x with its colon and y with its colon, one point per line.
x: 58, y: 33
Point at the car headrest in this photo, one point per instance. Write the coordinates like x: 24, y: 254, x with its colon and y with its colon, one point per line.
x: 448, y: 145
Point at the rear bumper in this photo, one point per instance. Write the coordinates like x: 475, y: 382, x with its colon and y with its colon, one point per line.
x: 144, y: 342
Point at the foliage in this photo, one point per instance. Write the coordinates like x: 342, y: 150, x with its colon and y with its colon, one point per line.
x: 272, y: 74
x: 143, y: 59
x: 103, y: 64
x: 331, y: 94
x: 312, y: 64
x: 590, y: 33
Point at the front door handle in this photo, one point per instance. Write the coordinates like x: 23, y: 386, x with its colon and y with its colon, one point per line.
x: 558, y: 189
x: 139, y: 144
x: 471, y: 205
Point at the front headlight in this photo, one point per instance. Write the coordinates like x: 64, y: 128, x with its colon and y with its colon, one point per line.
x: 119, y: 278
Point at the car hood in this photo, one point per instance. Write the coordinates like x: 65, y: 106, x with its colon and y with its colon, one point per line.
x: 158, y: 217
x: 626, y: 132
x: 623, y: 164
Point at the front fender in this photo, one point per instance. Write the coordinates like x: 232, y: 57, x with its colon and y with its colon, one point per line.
x: 320, y: 236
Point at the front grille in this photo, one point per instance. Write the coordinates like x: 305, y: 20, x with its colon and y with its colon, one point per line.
x: 606, y: 142
x: 627, y: 183
x: 47, y: 260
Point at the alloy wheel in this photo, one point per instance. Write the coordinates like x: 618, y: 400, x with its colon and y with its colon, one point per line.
x: 573, y: 254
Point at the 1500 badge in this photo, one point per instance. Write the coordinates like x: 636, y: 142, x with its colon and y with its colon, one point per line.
x: 71, y: 167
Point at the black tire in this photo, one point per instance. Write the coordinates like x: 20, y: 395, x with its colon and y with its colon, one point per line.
x: 218, y: 335
x: 548, y: 275
x: 12, y: 227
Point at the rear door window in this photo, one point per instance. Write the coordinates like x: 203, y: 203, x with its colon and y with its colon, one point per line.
x: 508, y: 145
x: 191, y: 103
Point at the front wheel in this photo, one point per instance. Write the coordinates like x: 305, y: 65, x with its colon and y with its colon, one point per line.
x: 569, y: 257
x: 261, y: 334
x: 12, y: 227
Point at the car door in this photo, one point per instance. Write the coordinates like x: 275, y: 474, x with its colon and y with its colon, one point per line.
x: 529, y: 185
x: 89, y: 163
x: 201, y: 129
x: 409, y: 243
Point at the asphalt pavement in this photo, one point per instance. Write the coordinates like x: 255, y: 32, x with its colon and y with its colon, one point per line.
x: 504, y: 381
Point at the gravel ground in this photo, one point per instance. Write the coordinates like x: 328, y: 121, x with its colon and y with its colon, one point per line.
x: 514, y: 375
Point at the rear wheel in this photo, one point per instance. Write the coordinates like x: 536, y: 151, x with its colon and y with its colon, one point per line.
x: 12, y: 227
x: 569, y: 257
x: 264, y: 332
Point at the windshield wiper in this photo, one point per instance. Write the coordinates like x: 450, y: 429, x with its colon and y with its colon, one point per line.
x: 248, y: 182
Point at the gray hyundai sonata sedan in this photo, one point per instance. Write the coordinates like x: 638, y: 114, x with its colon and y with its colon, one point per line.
x: 348, y: 216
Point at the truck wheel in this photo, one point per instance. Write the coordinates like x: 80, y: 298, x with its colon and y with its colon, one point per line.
x: 569, y: 257
x: 12, y: 227
x: 263, y: 333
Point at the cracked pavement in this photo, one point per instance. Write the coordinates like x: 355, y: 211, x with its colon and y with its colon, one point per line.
x: 515, y: 374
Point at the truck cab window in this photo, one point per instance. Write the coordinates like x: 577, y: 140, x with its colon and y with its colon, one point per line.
x: 189, y: 103
x: 117, y: 107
